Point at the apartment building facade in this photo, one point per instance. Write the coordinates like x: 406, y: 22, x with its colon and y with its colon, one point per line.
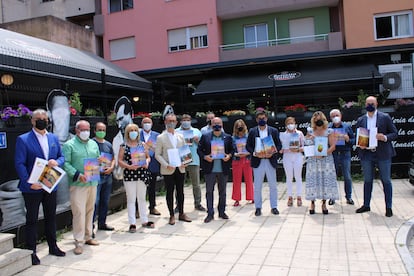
x: 200, y: 53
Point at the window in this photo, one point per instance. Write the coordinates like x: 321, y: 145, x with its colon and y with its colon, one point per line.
x: 395, y: 25
x: 301, y: 30
x: 120, y: 5
x: 187, y: 38
x: 122, y: 48
x: 255, y: 36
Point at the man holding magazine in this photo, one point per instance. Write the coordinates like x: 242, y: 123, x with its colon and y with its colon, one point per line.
x: 38, y: 143
x: 216, y: 150
x: 380, y: 124
x: 263, y: 143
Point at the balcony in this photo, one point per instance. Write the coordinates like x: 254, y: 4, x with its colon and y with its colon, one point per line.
x: 229, y: 9
x: 280, y: 47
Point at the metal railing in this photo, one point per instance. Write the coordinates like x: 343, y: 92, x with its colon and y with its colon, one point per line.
x: 275, y: 42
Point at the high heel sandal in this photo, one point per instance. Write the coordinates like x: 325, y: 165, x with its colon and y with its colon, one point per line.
x: 299, y: 201
x: 290, y: 202
x: 312, y: 208
x: 324, y: 209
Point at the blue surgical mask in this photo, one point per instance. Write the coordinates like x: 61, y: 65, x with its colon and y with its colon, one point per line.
x: 186, y: 124
x: 370, y: 107
x: 133, y: 135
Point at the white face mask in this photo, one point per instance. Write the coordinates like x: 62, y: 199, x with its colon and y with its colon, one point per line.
x: 147, y: 126
x: 133, y: 135
x: 291, y: 126
x: 336, y: 120
x: 84, y: 135
x: 186, y: 124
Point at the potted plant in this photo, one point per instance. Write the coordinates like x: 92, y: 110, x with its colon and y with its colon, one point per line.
x: 295, y: 110
x: 10, y: 116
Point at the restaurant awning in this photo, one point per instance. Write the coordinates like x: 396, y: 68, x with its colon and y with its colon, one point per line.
x: 30, y: 55
x: 309, y: 76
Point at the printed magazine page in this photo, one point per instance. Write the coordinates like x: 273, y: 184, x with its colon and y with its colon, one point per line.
x: 294, y: 143
x: 138, y: 157
x: 321, y: 146
x: 269, y: 145
x: 105, y: 162
x: 174, y: 157
x: 46, y: 176
x: 241, y: 145
x: 91, y: 169
x: 258, y: 146
x: 188, y: 136
x: 339, y: 136
x: 185, y: 154
x: 366, y: 138
x: 217, y: 149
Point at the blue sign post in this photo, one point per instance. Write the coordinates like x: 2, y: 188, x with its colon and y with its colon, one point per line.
x: 3, y: 140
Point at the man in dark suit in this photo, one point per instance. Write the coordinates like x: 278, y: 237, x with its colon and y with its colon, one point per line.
x: 214, y: 168
x: 263, y: 162
x: 38, y: 143
x: 149, y: 137
x: 379, y: 156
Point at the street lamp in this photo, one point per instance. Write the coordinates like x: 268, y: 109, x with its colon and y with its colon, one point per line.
x: 6, y: 80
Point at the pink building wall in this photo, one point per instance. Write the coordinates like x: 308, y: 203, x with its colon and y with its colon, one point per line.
x: 359, y: 21
x: 149, y: 21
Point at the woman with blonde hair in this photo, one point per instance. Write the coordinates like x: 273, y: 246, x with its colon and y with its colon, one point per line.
x: 134, y: 159
x: 320, y: 168
x: 292, y: 147
x: 241, y: 163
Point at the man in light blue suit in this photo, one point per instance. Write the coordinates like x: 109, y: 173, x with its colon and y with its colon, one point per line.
x: 38, y: 143
x: 380, y: 156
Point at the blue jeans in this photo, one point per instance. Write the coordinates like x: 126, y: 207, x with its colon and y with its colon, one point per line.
x: 103, y: 194
x: 384, y: 167
x: 211, y: 179
x: 265, y: 169
x: 343, y: 164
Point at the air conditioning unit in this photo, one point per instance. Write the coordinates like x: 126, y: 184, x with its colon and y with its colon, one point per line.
x: 398, y: 79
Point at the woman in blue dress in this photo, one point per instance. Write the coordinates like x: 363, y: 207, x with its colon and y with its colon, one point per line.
x: 320, y: 168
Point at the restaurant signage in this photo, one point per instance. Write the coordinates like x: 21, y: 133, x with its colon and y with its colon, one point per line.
x: 285, y: 75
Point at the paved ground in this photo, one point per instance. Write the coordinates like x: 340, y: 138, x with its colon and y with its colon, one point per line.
x: 292, y: 243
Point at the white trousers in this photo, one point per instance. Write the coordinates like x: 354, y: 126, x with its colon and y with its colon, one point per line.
x: 136, y: 190
x: 293, y: 163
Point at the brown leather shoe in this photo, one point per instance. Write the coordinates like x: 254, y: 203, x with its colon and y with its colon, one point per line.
x: 171, y: 221
x: 92, y: 242
x: 184, y: 217
x: 154, y: 212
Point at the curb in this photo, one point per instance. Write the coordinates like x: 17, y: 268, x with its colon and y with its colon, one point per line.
x: 403, y: 238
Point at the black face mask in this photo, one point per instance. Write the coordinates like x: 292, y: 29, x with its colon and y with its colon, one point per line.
x: 240, y: 128
x: 319, y: 123
x: 41, y: 124
x: 370, y: 108
x: 217, y: 127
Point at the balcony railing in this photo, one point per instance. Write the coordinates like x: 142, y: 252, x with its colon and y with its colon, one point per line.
x: 275, y: 42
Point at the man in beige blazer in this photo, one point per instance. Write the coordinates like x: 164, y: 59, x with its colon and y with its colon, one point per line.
x: 173, y: 176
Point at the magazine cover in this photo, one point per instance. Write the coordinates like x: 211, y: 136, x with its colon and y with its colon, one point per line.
x: 241, y: 145
x: 366, y: 138
x: 217, y: 149
x: 44, y: 175
x: 151, y: 143
x: 309, y: 147
x: 269, y: 145
x: 91, y: 169
x: 185, y: 154
x: 138, y: 157
x: 294, y: 142
x: 188, y: 136
x: 258, y: 146
x: 339, y: 136
x: 105, y: 161
x: 321, y: 146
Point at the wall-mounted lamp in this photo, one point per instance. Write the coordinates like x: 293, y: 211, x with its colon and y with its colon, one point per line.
x: 135, y: 99
x: 7, y: 79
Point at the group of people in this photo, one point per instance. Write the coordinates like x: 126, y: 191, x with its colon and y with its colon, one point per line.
x: 252, y: 154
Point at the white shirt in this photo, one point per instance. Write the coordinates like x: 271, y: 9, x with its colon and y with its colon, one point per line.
x: 173, y: 138
x: 263, y: 133
x: 146, y: 135
x: 372, y: 121
x: 43, y: 143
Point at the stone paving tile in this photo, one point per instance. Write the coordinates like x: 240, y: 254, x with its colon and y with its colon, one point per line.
x: 292, y: 243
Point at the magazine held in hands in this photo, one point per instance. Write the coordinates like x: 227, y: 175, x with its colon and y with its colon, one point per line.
x: 138, y: 156
x: 91, y: 169
x: 318, y: 146
x: 366, y: 137
x: 265, y: 145
x: 179, y: 156
x: 46, y: 176
x: 339, y: 134
x: 105, y: 161
x: 217, y: 149
x: 241, y: 145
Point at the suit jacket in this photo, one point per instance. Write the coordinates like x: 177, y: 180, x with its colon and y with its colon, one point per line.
x: 27, y: 149
x: 385, y: 150
x: 251, y: 141
x: 204, y: 148
x: 154, y: 166
x: 161, y: 151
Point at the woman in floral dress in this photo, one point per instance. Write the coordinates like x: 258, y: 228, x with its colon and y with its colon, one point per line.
x: 320, y: 169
